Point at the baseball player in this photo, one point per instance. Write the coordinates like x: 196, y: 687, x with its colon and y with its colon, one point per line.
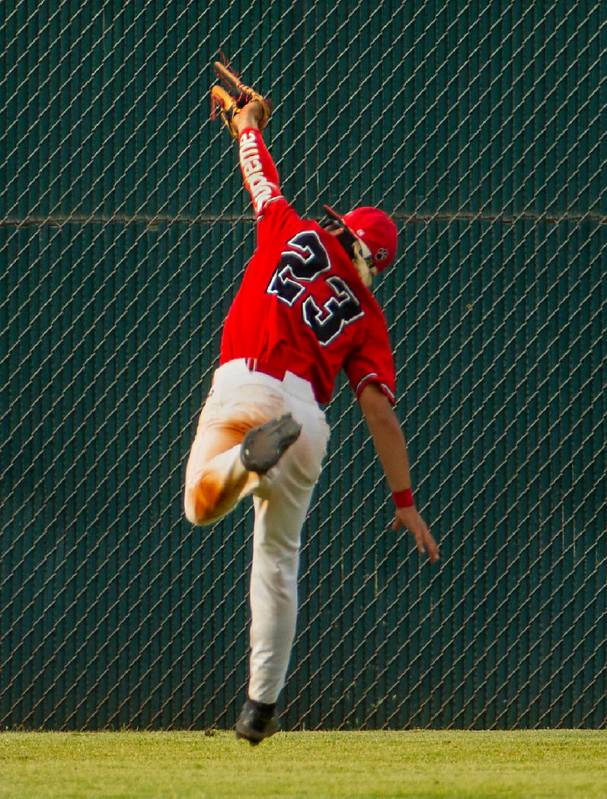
x: 303, y: 312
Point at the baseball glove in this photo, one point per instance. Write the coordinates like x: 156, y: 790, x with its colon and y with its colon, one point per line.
x: 233, y: 98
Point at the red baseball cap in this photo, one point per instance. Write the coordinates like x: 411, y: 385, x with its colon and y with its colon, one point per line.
x: 375, y: 228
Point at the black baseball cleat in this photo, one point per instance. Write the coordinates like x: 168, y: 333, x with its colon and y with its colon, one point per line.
x: 264, y: 446
x: 256, y: 722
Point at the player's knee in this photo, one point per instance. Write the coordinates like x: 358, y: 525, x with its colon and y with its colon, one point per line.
x: 195, y: 512
x: 201, y: 500
x: 190, y: 508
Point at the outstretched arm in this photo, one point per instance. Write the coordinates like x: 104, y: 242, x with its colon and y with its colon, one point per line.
x: 259, y: 172
x: 391, y: 449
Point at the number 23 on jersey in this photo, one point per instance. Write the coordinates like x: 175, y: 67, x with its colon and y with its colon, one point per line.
x: 304, y: 261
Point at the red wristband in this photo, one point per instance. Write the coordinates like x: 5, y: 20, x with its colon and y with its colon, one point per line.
x: 403, y: 499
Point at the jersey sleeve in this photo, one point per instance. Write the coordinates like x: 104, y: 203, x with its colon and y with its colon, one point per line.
x: 261, y: 180
x: 372, y: 362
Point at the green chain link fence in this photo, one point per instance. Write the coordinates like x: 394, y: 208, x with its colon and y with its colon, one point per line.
x: 124, y: 231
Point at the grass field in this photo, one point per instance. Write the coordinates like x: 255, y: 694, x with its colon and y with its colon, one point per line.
x: 564, y: 763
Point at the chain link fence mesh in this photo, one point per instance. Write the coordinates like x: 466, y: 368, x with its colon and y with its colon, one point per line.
x: 123, y: 235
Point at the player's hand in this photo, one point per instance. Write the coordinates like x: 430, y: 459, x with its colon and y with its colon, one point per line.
x: 249, y: 116
x: 410, y: 518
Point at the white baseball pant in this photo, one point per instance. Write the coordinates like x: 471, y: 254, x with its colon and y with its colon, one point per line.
x: 216, y: 480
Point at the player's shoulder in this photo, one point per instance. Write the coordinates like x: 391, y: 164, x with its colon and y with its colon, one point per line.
x: 278, y: 212
x: 375, y: 319
x: 341, y: 264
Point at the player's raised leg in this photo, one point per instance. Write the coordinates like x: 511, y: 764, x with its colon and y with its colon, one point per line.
x: 228, y: 459
x: 215, y: 475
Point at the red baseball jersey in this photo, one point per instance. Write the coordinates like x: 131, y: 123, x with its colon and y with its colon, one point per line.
x: 301, y: 305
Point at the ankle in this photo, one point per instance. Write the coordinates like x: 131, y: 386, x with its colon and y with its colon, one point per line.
x: 263, y: 707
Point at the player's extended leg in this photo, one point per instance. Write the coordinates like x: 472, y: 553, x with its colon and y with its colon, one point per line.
x: 274, y: 591
x: 280, y: 512
x: 278, y: 522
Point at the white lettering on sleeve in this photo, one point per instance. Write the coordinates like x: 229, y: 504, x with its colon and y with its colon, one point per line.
x: 257, y: 183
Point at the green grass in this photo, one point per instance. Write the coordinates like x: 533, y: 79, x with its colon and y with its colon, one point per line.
x: 420, y: 764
